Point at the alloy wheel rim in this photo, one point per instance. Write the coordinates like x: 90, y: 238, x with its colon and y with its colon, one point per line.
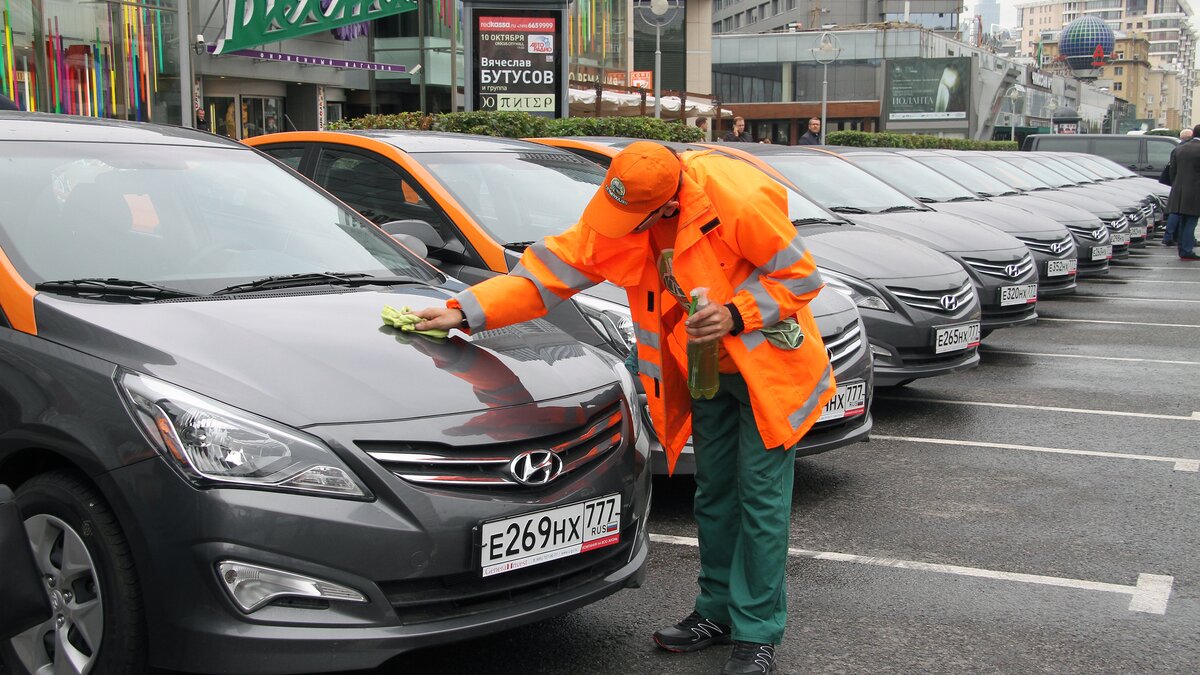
x: 69, y: 641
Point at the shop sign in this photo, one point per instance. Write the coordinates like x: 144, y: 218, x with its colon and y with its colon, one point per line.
x: 1039, y: 79
x: 518, y: 61
x: 250, y: 23
x: 929, y: 89
x: 642, y: 78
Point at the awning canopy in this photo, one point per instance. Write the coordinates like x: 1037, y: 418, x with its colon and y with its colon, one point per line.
x: 621, y: 104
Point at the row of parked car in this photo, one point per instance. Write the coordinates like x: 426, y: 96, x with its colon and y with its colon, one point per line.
x: 226, y: 463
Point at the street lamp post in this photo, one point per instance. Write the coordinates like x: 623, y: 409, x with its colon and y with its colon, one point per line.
x: 1051, y: 106
x: 1013, y: 94
x: 825, y: 53
x: 658, y: 13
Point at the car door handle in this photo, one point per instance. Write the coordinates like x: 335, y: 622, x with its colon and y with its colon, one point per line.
x: 1147, y: 168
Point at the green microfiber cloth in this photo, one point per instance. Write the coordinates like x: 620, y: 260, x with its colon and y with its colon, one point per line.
x: 406, y: 321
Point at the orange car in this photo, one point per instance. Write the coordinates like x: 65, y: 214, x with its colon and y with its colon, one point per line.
x: 476, y: 202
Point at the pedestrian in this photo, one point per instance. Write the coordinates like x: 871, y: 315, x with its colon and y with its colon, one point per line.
x: 702, y: 125
x: 738, y: 133
x: 813, y: 135
x: 200, y: 122
x: 662, y: 222
x: 1172, y: 218
x: 1184, y: 170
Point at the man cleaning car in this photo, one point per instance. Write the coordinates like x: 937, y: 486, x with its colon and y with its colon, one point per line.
x: 662, y: 226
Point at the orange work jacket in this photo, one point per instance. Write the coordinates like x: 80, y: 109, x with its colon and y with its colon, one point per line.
x: 733, y: 238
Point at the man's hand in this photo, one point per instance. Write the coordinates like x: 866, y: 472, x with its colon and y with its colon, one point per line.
x: 444, y: 318
x: 710, y: 323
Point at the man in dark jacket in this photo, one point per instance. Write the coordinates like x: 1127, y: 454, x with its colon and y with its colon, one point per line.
x: 813, y: 135
x: 1185, y: 193
x: 1172, y: 227
x: 738, y: 134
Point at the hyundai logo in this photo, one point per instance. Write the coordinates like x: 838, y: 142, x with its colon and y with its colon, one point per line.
x: 948, y: 302
x: 1013, y: 271
x: 1059, y: 246
x: 535, y: 467
x: 1099, y: 234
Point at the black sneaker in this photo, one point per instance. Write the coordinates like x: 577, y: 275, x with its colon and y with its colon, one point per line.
x: 749, y: 658
x: 692, y: 634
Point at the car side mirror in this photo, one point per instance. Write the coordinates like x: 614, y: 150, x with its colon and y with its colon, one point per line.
x: 417, y: 229
x: 415, y: 245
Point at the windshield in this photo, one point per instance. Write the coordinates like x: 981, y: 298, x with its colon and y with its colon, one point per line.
x: 833, y: 183
x: 1106, y: 166
x: 192, y: 218
x: 1038, y: 170
x: 973, y: 179
x: 914, y: 179
x: 517, y: 196
x: 1065, y: 168
x: 1004, y: 171
x: 1097, y: 168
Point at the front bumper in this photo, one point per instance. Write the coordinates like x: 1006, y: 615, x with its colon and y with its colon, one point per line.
x: 412, y: 552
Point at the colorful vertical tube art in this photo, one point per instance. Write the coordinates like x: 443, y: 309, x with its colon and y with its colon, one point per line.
x: 108, y: 70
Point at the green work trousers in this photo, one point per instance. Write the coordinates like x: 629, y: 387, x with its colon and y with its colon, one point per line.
x: 743, y: 510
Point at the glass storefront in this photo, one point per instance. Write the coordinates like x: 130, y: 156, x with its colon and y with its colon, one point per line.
x: 257, y: 115
x: 96, y: 59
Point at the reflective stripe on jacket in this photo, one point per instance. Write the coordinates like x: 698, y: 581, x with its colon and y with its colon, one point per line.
x: 735, y: 239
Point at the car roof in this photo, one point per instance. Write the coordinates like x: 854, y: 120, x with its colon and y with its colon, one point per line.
x: 622, y: 142
x: 417, y: 142
x: 29, y: 126
x: 769, y: 149
x: 1087, y: 136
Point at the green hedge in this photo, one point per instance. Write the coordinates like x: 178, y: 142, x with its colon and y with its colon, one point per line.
x: 1163, y: 132
x: 524, y: 125
x: 885, y: 139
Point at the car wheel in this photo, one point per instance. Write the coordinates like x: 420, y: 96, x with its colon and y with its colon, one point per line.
x: 88, y: 573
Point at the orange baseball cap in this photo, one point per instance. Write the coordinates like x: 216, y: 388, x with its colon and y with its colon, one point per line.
x: 642, y: 178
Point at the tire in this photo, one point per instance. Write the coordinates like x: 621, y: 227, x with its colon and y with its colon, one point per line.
x: 98, y: 624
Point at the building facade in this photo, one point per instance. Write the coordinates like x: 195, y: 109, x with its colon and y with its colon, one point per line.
x: 759, y: 16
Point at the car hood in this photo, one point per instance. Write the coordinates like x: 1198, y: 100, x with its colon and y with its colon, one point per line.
x: 324, y: 358
x: 1096, y: 207
x: 1006, y: 219
x: 1061, y: 212
x: 1119, y: 199
x: 941, y: 231
x: 875, y: 256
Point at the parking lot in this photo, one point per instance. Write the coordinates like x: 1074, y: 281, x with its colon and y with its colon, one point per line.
x: 1036, y: 514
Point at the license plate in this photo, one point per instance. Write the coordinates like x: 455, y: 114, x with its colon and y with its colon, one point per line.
x: 539, y: 537
x: 1138, y: 232
x: 954, y: 338
x: 1018, y: 295
x: 1119, y: 238
x: 1101, y: 252
x: 849, y: 401
x: 1058, y: 268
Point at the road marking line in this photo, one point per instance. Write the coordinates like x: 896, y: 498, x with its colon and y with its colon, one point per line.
x: 1194, y: 417
x: 1181, y: 463
x: 1114, y: 280
x: 1144, y: 267
x: 1150, y: 595
x: 990, y: 350
x: 1122, y: 323
x: 1118, y: 297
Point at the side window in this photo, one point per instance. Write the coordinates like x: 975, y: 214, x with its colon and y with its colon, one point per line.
x: 290, y: 156
x: 376, y: 189
x: 1158, y: 153
x: 1120, y: 150
x: 1057, y: 143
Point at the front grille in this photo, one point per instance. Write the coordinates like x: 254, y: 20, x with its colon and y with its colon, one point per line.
x: 1118, y: 224
x: 1100, y: 234
x: 486, y: 466
x: 844, y: 345
x: 1063, y: 248
x: 448, y: 597
x: 1147, y: 210
x: 993, y: 313
x: 1008, y: 271
x: 947, y: 301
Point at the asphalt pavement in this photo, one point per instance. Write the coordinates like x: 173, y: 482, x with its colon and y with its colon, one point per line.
x: 1034, y: 515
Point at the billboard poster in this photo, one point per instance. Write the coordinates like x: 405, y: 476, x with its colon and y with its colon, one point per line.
x: 929, y: 89
x: 518, y: 61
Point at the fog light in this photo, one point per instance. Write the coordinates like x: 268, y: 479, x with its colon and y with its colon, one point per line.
x: 253, y: 586
x: 876, y: 350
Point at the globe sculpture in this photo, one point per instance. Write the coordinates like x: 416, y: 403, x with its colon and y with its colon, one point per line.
x: 1086, y: 44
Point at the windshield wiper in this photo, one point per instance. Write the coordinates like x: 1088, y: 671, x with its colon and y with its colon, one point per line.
x: 518, y: 246
x: 925, y: 200
x: 902, y: 207
x: 318, y: 279
x: 810, y: 221
x: 847, y: 209
x: 125, y: 289
x: 963, y: 198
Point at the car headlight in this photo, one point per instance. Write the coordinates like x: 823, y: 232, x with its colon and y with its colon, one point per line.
x: 633, y: 395
x: 859, y: 292
x: 211, y: 443
x: 611, y: 320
